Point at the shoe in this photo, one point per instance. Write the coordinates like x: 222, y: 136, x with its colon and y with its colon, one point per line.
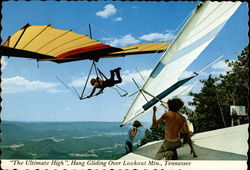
x: 117, y: 69
x: 194, y: 154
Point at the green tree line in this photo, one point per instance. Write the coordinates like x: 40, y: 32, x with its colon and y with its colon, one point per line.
x: 211, y: 105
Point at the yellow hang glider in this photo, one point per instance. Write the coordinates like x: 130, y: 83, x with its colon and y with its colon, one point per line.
x: 45, y: 43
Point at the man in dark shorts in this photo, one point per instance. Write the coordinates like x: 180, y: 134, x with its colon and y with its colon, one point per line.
x: 175, y: 125
x: 100, y: 84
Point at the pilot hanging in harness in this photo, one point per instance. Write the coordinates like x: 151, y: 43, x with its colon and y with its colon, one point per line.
x: 102, y: 84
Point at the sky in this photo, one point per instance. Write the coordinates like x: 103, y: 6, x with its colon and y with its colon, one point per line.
x: 31, y: 91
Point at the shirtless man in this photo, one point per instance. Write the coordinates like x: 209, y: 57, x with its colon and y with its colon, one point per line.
x: 100, y: 84
x: 175, y: 125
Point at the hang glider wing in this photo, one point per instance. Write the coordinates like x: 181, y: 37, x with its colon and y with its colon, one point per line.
x: 199, y: 31
x: 45, y: 43
x: 140, y: 49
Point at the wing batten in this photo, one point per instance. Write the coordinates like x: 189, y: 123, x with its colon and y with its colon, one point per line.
x: 24, y: 29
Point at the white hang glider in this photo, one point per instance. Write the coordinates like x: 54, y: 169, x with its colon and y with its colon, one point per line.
x: 200, y: 29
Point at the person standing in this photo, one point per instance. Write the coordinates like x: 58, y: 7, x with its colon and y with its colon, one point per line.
x: 131, y: 136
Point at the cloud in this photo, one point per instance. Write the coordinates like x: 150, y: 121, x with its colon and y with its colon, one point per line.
x: 220, y: 68
x: 118, y: 19
x: 3, y: 63
x: 79, y: 82
x: 221, y: 65
x: 217, y: 73
x: 123, y: 41
x: 130, y: 40
x: 128, y: 75
x: 108, y: 10
x: 19, y: 84
x: 202, y: 75
x: 158, y: 36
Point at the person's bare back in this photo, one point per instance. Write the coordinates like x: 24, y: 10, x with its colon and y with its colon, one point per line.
x: 174, y: 125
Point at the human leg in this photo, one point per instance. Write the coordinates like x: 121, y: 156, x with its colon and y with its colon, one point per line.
x: 118, y: 75
x: 175, y: 155
x: 159, y: 155
x: 168, y: 150
x: 128, y: 147
x: 111, y: 81
x: 192, y: 151
x: 112, y: 75
x: 164, y: 153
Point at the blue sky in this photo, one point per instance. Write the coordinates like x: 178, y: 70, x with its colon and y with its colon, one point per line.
x: 34, y: 94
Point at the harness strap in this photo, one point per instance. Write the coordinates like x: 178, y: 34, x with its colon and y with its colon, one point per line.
x: 97, y: 75
x: 101, y: 74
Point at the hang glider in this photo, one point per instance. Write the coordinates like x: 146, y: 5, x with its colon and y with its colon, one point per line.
x: 45, y: 43
x: 200, y: 29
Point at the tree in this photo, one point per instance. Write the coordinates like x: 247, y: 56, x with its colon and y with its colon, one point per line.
x: 207, y: 109
x: 190, y: 113
x: 212, y: 103
x: 235, y: 83
x: 234, y: 89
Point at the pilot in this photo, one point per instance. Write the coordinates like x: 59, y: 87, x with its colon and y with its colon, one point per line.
x: 102, y: 84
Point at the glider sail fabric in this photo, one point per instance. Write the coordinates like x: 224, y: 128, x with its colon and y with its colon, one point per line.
x: 140, y: 49
x: 200, y: 29
x: 52, y: 42
x: 45, y: 43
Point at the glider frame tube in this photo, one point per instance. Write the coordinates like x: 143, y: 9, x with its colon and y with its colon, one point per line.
x: 165, y: 93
